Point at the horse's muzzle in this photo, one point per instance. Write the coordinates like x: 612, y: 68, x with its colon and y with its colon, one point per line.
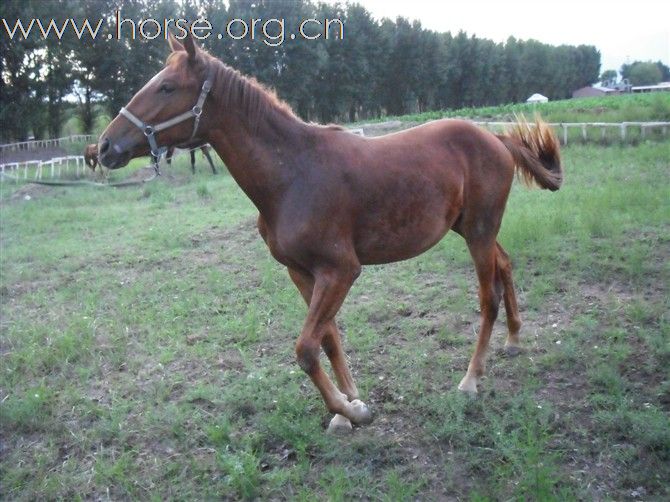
x: 111, y: 155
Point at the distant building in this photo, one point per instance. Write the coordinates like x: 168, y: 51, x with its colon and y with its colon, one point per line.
x: 537, y: 98
x: 591, y: 91
x: 607, y: 88
x: 663, y: 86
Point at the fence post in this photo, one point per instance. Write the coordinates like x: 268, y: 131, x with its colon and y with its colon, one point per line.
x: 565, y: 134
x: 584, y: 132
x: 623, y: 131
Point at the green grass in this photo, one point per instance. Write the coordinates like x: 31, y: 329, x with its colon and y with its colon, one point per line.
x: 147, y: 350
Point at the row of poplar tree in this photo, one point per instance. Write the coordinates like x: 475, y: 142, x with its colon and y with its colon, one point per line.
x: 379, y: 67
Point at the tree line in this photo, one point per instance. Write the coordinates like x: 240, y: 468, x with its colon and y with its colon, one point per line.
x: 378, y: 68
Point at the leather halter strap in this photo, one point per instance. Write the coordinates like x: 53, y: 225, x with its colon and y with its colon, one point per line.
x: 150, y: 131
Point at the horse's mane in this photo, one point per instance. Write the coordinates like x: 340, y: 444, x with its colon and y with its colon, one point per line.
x: 246, y: 94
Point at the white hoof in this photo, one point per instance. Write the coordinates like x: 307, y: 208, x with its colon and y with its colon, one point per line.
x: 468, y: 384
x: 339, y: 424
x: 359, y: 413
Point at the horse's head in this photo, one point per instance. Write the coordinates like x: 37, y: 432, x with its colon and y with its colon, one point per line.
x: 165, y: 112
x: 91, y: 155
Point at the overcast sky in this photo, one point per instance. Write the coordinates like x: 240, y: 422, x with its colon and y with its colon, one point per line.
x: 623, y: 31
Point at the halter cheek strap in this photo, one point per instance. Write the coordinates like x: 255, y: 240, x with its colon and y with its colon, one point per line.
x: 151, y: 131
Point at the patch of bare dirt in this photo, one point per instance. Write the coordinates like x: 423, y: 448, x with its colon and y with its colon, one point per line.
x: 7, y: 157
x: 32, y: 191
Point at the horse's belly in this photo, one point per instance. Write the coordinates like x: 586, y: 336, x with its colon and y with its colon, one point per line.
x: 398, y: 226
x: 388, y: 243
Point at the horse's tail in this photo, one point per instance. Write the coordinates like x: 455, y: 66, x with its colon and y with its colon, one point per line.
x: 535, y: 150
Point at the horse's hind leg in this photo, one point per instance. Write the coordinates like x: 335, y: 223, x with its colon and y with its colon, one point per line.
x: 504, y: 272
x: 484, y: 254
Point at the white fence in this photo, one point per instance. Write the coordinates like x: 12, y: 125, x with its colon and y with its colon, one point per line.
x: 45, y: 143
x: 36, y: 169
x: 622, y: 129
x: 606, y: 131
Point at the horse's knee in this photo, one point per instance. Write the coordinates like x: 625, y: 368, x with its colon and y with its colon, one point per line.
x: 307, y: 355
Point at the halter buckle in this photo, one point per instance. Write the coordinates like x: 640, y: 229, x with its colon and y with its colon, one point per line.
x: 196, y: 110
x: 149, y: 131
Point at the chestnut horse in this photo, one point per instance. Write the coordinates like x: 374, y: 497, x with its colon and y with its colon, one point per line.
x: 331, y: 201
x: 91, y: 156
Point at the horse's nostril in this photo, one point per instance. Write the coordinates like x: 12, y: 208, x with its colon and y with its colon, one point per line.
x: 104, y: 146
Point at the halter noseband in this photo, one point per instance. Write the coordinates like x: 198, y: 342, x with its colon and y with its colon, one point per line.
x: 151, y: 131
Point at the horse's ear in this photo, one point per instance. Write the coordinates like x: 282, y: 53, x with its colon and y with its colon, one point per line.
x: 190, y: 47
x: 175, y: 44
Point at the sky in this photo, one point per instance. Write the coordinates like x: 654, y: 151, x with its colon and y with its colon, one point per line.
x: 623, y: 31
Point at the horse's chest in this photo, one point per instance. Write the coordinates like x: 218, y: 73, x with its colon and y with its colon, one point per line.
x: 277, y: 246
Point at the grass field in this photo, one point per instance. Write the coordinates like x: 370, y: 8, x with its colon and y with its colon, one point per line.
x: 147, y: 350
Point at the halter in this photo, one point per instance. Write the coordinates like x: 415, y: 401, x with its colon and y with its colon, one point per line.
x: 151, y: 131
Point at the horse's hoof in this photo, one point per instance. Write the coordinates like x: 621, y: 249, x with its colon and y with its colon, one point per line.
x: 339, y: 425
x: 468, y: 385
x: 359, y: 413
x: 513, y: 350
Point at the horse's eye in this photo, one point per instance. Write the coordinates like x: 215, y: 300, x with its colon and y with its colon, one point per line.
x: 166, y: 88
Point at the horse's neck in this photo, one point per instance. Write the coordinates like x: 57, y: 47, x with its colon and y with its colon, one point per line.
x: 260, y: 160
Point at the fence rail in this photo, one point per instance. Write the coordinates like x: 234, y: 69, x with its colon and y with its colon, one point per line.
x: 36, y: 169
x: 44, y: 143
x: 623, y: 128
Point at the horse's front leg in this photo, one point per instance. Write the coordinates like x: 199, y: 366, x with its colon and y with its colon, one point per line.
x: 329, y: 290
x: 332, y: 346
x: 205, y: 152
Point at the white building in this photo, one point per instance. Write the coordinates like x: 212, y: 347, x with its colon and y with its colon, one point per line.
x: 537, y: 98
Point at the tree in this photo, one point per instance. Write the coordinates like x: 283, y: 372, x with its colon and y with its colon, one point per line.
x: 608, y: 76
x: 378, y: 67
x: 642, y: 73
x: 21, y: 87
